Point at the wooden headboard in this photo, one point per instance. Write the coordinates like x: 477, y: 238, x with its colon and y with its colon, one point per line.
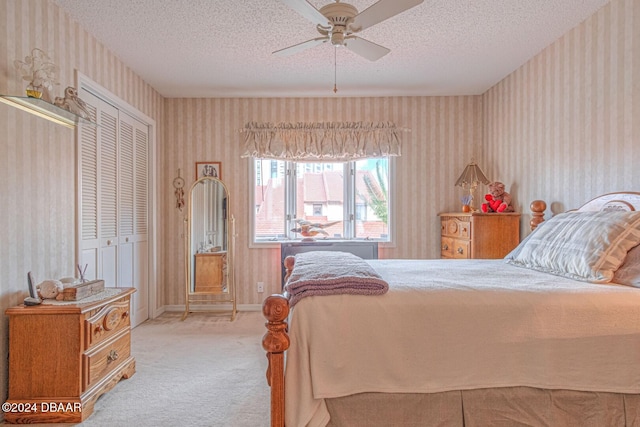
x: 622, y: 201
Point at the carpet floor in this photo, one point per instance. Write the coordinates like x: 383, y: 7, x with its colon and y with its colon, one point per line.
x: 203, y: 371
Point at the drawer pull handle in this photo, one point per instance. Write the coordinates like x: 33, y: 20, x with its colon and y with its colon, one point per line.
x: 99, y: 329
x: 113, y: 356
x: 460, y: 250
x: 126, y: 239
x: 125, y: 314
x: 109, y: 242
x: 464, y: 230
x: 445, y: 248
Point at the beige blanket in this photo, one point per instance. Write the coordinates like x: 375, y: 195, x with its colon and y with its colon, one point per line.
x: 461, y: 324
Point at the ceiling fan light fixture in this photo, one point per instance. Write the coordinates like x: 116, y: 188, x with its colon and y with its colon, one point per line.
x: 337, y: 38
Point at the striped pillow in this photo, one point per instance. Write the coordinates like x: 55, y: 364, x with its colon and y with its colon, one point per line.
x: 586, y: 246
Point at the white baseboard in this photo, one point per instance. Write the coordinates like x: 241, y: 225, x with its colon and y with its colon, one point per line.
x: 210, y: 307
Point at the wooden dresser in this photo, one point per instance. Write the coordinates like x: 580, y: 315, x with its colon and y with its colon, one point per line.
x: 63, y: 357
x: 208, y: 272
x: 478, y: 234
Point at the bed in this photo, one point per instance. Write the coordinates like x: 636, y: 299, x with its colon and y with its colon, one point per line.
x: 550, y: 336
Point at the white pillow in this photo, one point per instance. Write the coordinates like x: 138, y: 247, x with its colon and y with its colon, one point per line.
x: 586, y: 246
x: 629, y: 272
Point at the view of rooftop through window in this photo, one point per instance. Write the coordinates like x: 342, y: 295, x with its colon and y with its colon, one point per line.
x: 319, y: 193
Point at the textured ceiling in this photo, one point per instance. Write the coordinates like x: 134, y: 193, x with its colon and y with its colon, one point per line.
x: 223, y: 48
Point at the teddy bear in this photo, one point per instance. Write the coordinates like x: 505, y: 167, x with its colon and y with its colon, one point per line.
x: 497, y: 200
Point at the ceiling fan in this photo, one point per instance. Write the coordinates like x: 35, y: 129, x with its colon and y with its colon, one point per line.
x: 339, y: 22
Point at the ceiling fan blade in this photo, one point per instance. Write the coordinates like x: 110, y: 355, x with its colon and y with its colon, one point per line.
x: 378, y: 12
x: 307, y: 10
x: 301, y: 46
x: 365, y: 48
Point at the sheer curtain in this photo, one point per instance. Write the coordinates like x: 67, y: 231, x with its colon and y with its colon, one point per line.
x: 321, y: 141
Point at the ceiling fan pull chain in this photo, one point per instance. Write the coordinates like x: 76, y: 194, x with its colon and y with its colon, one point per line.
x: 335, y: 67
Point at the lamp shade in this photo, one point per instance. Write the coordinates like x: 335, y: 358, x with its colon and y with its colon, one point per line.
x: 472, y: 176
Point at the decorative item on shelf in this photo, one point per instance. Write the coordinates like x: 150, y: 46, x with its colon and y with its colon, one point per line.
x: 308, y: 229
x: 72, y: 103
x: 40, y: 72
x: 212, y: 169
x: 497, y: 200
x: 178, y: 184
x: 466, y: 199
x: 471, y: 177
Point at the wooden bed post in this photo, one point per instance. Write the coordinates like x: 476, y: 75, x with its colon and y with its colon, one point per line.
x: 537, y: 211
x: 276, y: 341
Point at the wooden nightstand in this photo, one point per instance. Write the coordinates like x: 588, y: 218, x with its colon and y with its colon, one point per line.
x: 478, y: 235
x: 63, y: 357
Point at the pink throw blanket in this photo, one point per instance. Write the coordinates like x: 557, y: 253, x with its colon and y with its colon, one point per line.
x: 331, y: 273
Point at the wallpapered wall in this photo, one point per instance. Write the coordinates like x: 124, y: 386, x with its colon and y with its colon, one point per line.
x: 559, y: 128
x: 565, y: 127
x: 37, y: 157
x: 445, y: 134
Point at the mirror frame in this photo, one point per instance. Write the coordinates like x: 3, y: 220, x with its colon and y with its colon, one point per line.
x: 203, y: 299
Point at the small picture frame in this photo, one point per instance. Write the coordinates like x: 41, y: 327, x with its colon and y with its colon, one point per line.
x: 212, y: 169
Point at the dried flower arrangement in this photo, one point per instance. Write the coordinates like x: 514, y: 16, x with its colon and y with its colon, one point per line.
x: 40, y: 72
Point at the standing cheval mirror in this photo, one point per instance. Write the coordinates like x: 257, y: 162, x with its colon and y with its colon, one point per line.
x: 210, y: 241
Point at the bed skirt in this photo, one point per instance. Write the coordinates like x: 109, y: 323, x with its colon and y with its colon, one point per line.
x: 509, y: 406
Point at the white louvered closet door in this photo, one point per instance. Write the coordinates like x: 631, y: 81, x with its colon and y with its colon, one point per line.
x: 133, y: 213
x: 114, y: 207
x: 99, y: 192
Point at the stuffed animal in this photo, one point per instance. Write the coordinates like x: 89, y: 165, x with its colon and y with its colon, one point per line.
x: 497, y: 200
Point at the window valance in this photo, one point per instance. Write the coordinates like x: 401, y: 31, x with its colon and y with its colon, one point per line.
x: 321, y: 141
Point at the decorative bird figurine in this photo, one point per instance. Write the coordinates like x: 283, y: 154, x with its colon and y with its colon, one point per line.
x: 310, y: 229
x: 74, y: 104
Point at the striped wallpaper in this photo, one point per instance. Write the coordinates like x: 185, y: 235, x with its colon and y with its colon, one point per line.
x: 37, y: 157
x: 563, y: 127
x: 446, y: 132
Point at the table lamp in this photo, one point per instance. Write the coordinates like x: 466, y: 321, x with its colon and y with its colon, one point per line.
x: 470, y: 178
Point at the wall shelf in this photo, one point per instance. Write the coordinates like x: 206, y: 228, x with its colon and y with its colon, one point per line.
x: 45, y: 110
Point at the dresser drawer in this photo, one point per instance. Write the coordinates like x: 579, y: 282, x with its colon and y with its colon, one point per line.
x: 100, y: 361
x: 446, y: 247
x: 454, y: 227
x: 107, y: 322
x: 460, y: 249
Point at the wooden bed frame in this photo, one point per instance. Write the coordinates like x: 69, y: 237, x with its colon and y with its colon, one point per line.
x: 276, y: 307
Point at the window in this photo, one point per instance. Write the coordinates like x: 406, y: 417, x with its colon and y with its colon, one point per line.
x: 347, y: 200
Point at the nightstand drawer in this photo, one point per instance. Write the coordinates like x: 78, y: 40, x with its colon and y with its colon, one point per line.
x: 460, y: 249
x: 107, y: 322
x: 100, y: 362
x: 454, y: 227
x: 446, y: 247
